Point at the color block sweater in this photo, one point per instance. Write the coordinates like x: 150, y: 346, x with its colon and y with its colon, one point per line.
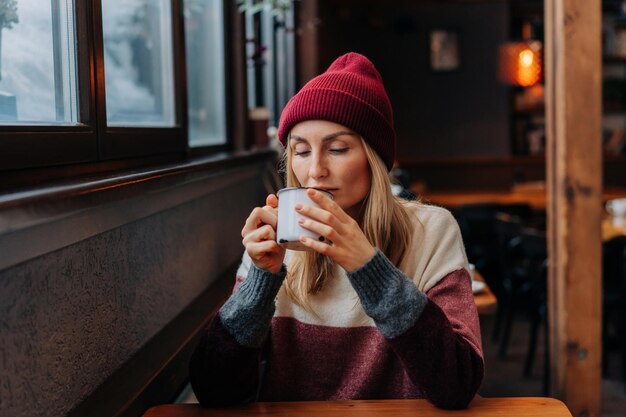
x: 377, y: 332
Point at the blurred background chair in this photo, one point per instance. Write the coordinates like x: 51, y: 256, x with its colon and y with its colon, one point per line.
x: 614, y: 302
x: 477, y: 224
x: 401, y: 182
x: 479, y: 228
x: 510, y: 258
x: 525, y: 291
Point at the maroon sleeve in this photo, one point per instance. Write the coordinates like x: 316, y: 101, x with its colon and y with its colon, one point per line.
x: 442, y: 351
x: 221, y: 371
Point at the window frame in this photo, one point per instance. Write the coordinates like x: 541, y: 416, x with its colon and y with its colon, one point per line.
x: 93, y: 145
x: 229, y: 80
x: 27, y: 146
x: 122, y: 142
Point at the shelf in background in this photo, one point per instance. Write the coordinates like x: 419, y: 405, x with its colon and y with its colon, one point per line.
x: 614, y: 59
x: 616, y: 112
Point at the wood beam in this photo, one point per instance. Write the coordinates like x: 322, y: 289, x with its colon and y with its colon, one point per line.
x: 574, y: 181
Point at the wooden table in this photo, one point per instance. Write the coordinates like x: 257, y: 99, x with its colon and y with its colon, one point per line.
x: 486, y: 302
x: 452, y: 200
x: 535, y: 197
x: 483, y: 407
x: 611, y: 230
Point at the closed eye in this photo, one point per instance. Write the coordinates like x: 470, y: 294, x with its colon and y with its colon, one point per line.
x: 339, y: 150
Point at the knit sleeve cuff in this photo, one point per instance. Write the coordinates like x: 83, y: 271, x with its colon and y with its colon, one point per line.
x: 248, y: 312
x: 387, y: 295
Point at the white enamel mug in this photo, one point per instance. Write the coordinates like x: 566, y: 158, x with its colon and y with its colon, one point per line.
x: 288, y: 230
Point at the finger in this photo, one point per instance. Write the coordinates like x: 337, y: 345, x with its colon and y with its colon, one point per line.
x: 258, y: 218
x: 267, y: 215
x: 318, y: 214
x: 252, y: 223
x: 272, y: 201
x: 318, y: 228
x: 267, y: 247
x: 272, y: 220
x: 317, y: 246
x: 327, y: 203
x: 261, y: 234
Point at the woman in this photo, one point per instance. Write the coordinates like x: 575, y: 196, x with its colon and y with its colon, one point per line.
x: 383, y: 311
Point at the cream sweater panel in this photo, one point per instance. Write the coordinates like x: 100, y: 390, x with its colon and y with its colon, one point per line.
x: 437, y: 250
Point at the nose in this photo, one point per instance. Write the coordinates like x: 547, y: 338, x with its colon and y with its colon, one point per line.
x: 318, y: 167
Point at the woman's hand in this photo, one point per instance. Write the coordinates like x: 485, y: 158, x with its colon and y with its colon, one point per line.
x: 350, y: 248
x: 259, y: 236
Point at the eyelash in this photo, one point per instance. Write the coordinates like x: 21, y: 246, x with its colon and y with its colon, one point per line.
x: 335, y: 151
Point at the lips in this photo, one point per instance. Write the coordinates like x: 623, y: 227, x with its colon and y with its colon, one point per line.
x: 328, y: 189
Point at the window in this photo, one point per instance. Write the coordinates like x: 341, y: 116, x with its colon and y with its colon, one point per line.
x: 138, y: 62
x: 95, y: 80
x: 206, y: 83
x: 270, y: 51
x: 37, y: 62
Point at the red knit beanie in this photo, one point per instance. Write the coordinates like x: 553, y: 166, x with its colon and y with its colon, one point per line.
x: 350, y: 93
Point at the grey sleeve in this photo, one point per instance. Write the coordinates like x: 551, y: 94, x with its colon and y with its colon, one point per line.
x: 247, y: 314
x: 387, y: 295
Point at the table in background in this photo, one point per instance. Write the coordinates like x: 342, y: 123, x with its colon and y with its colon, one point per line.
x: 483, y: 407
x: 611, y: 230
x: 486, y: 302
x: 533, y: 196
x: 452, y: 200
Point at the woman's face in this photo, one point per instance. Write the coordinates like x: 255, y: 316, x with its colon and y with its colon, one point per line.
x: 330, y: 156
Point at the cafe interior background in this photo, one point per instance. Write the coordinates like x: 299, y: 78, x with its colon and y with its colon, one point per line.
x: 136, y: 136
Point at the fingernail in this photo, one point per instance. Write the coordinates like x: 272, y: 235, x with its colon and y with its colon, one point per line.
x: 298, y: 206
x: 300, y: 221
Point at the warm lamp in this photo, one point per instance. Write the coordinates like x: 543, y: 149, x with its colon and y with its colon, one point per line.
x: 520, y: 63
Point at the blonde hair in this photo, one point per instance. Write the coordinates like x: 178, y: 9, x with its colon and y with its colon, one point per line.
x: 383, y: 218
